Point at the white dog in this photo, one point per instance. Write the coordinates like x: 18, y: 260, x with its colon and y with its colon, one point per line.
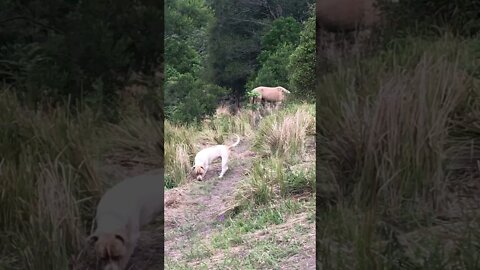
x: 207, y: 155
x: 121, y: 212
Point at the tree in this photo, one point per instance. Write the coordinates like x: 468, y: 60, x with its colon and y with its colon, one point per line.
x: 302, y: 61
x: 200, y: 98
x: 278, y: 43
x: 81, y: 50
x: 235, y: 37
x: 186, y: 34
x: 189, y: 97
x: 234, y: 42
x: 285, y: 30
x: 274, y: 70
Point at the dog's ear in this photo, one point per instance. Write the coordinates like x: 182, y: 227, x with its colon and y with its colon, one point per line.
x: 92, y: 239
x: 120, y: 238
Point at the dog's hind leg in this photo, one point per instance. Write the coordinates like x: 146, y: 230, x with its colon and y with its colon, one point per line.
x: 224, y: 166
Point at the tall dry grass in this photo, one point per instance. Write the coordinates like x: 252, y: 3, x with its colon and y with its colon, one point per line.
x: 396, y: 134
x: 283, y: 168
x: 48, y: 180
x: 285, y: 133
x: 394, y: 143
x: 50, y: 177
x: 182, y: 141
x: 283, y: 137
x: 179, y: 148
x: 272, y: 179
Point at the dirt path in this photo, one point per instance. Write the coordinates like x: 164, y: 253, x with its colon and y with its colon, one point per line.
x: 193, y: 208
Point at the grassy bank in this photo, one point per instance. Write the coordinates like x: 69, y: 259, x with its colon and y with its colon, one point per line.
x: 268, y: 218
x: 399, y: 144
x: 53, y: 170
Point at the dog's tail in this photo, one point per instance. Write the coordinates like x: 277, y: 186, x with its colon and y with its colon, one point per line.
x: 236, y: 143
x: 283, y: 89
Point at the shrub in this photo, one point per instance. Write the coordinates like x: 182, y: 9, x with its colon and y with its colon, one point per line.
x: 285, y: 134
x: 195, y: 100
x: 283, y: 31
x: 274, y: 70
x: 302, y: 62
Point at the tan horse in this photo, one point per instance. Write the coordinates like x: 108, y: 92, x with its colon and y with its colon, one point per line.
x: 270, y: 94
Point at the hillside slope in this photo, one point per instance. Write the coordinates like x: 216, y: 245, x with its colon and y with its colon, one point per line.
x: 209, y: 226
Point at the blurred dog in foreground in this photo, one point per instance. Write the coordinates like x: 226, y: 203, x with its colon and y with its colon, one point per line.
x: 121, y: 212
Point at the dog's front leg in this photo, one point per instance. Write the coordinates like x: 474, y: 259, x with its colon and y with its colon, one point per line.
x: 130, y: 245
x: 206, y: 170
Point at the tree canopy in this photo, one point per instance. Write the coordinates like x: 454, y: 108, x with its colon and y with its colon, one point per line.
x: 235, y: 39
x: 79, y: 50
x: 215, y: 48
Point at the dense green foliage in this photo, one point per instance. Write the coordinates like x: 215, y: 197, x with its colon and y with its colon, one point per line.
x: 302, y: 62
x: 282, y: 31
x: 189, y: 97
x: 218, y: 48
x: 79, y: 50
x: 236, y: 37
x: 277, y: 44
x: 197, y: 97
x: 273, y: 71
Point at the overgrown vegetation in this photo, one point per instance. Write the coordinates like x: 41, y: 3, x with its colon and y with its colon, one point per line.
x: 52, y: 175
x: 80, y: 103
x: 81, y: 51
x: 249, y: 43
x: 398, y: 147
x: 217, y: 51
x: 275, y: 191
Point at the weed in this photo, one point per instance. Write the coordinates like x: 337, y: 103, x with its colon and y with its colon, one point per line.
x: 285, y: 134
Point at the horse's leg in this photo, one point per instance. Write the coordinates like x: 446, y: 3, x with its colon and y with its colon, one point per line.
x: 269, y: 107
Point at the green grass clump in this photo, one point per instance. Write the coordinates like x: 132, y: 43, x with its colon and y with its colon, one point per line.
x: 285, y: 133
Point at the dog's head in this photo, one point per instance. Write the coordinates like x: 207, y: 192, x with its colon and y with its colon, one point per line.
x: 198, y: 172
x: 110, y: 248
